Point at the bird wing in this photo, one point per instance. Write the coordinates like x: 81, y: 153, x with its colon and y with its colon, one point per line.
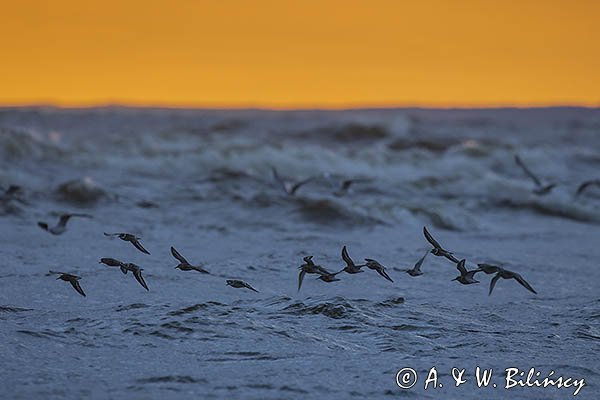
x: 111, y: 234
x: 461, y: 267
x: 64, y: 219
x: 249, y: 287
x: 382, y: 272
x: 300, y: 278
x: 321, y: 270
x: 527, y: 171
x: 585, y: 185
x: 493, y: 283
x: 430, y: 239
x: 489, y: 269
x: 140, y: 278
x: 346, y: 257
x: 278, y: 179
x: 77, y: 287
x: 56, y: 273
x: 297, y: 185
x: 524, y: 283
x: 417, y: 266
x: 139, y: 246
x: 178, y: 256
x: 450, y: 257
x: 81, y: 215
x: 199, y: 269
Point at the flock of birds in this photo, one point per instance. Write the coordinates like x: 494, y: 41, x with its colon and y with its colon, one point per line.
x: 466, y: 277
x: 541, y: 188
x: 136, y: 270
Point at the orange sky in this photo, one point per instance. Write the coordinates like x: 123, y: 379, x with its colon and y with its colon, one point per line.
x: 300, y: 53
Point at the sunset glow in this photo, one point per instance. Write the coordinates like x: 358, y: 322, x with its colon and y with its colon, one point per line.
x: 300, y: 53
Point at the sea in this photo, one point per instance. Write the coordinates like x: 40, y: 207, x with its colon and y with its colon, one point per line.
x: 202, y: 181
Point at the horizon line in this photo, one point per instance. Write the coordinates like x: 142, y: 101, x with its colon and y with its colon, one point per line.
x: 260, y: 106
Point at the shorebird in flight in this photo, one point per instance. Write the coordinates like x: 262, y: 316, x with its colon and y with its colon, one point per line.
x: 236, y: 283
x: 309, y: 267
x: 375, y: 265
x: 128, y: 237
x: 329, y: 277
x: 504, y: 274
x: 416, y: 270
x: 541, y: 189
x: 465, y: 277
x: 437, y: 248
x: 184, y: 265
x: 111, y: 262
x: 61, y: 226
x: 137, y: 273
x: 288, y: 186
x: 72, y: 279
x: 585, y: 185
x: 350, y: 267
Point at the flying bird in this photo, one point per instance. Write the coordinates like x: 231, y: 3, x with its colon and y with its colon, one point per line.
x: 72, y: 279
x: 288, y: 186
x: 128, y: 237
x: 329, y: 277
x: 437, y: 248
x: 541, y: 189
x: 504, y: 274
x: 585, y: 185
x: 236, y: 283
x: 309, y: 267
x: 465, y: 277
x: 137, y: 273
x: 184, y: 265
x: 350, y: 267
x: 61, y: 226
x: 111, y: 262
x: 416, y: 270
x: 375, y: 265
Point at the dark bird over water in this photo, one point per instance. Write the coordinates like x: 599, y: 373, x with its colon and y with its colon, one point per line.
x: 504, y: 274
x: 289, y: 187
x: 329, y: 277
x: 437, y: 248
x: 61, y: 226
x: 541, y: 189
x: 309, y: 267
x: 466, y: 277
x: 137, y: 273
x: 72, y: 279
x: 128, y: 237
x: 111, y: 262
x: 585, y: 185
x: 350, y: 267
x: 184, y: 265
x: 374, y: 264
x: 236, y: 283
x: 416, y: 270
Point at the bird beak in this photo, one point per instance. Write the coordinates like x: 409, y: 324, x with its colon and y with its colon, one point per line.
x: 453, y: 279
